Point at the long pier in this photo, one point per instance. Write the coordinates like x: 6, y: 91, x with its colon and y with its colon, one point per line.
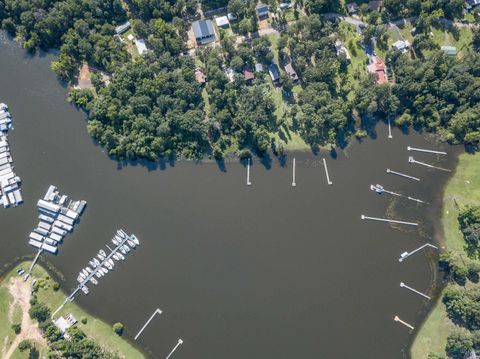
x: 180, y: 342
x: 412, y: 160
x: 388, y: 220
x: 403, y: 285
x: 248, y: 173
x: 326, y: 172
x: 35, y: 259
x: 389, y: 129
x: 397, y: 319
x: 82, y: 284
x: 425, y: 151
x: 157, y: 311
x: 402, y: 175
x: 294, y: 183
x: 405, y: 255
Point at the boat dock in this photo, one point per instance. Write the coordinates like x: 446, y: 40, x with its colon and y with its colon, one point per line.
x: 294, y: 183
x: 397, y: 319
x: 326, y: 172
x: 102, y: 264
x: 388, y: 220
x: 412, y: 160
x: 157, y: 311
x: 425, y: 151
x: 10, y: 191
x: 58, y: 215
x: 402, y: 175
x: 379, y: 189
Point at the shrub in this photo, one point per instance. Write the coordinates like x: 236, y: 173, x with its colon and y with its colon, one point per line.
x: 118, y: 328
x: 24, y: 345
x: 17, y: 328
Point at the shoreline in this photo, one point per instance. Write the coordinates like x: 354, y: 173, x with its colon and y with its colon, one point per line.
x: 95, y: 328
x: 432, y: 334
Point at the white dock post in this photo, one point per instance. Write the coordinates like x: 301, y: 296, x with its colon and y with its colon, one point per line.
x: 180, y: 342
x: 389, y: 130
x: 388, y: 220
x: 157, y: 311
x: 405, y: 255
x: 326, y: 172
x: 403, y: 285
x: 412, y: 160
x: 397, y: 319
x: 293, y: 181
x: 248, y: 173
x: 425, y: 151
x: 402, y: 175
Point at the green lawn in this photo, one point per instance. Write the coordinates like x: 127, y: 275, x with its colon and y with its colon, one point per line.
x: 462, y: 41
x: 96, y: 329
x: 5, y: 325
x: 464, y: 186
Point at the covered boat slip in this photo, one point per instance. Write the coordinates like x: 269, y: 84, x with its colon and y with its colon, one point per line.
x: 57, y: 217
x: 10, y: 191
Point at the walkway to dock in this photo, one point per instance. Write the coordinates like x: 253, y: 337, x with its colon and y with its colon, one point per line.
x: 157, y: 311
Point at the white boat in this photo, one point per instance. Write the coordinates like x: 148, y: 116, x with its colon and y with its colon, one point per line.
x: 101, y: 257
x: 92, y: 263
x: 108, y: 265
x: 377, y: 188
x: 123, y: 250
x: 125, y: 247
x: 102, y: 252
x: 84, y: 271
x: 120, y: 256
x: 121, y: 233
x: 110, y: 260
x: 81, y: 275
x: 116, y: 257
x: 104, y: 270
x: 119, y: 239
x: 98, y: 274
x: 96, y: 261
x: 85, y: 289
x: 114, y: 241
x: 89, y: 270
x: 130, y: 243
x: 79, y: 279
x: 134, y: 239
x: 93, y: 280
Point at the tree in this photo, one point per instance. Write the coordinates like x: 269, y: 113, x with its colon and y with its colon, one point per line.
x: 17, y: 328
x: 118, y: 328
x: 24, y: 345
x: 40, y: 312
x: 459, y: 344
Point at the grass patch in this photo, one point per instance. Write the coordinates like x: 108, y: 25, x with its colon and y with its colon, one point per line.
x: 95, y: 329
x: 464, y: 186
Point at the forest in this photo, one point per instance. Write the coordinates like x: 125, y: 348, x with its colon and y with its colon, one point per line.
x: 151, y: 107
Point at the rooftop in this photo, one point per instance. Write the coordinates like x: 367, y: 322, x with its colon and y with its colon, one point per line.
x: 203, y: 31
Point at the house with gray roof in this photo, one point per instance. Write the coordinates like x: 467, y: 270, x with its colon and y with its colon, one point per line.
x: 203, y: 31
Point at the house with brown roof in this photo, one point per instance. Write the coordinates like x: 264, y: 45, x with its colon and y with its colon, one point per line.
x: 377, y: 67
x: 291, y: 72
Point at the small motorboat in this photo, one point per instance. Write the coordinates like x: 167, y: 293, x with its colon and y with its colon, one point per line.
x: 104, y: 270
x: 126, y: 248
x: 108, y: 265
x: 92, y: 263
x: 85, y: 289
x: 377, y: 188
x: 123, y: 250
x: 120, y: 256
x: 96, y: 261
x: 94, y: 281
x: 114, y: 241
x: 98, y: 274
x: 102, y: 252
x: 101, y: 257
x: 89, y: 270
x: 130, y: 243
x: 122, y: 233
x: 110, y: 260
x: 134, y: 239
x: 84, y: 271
x: 116, y: 257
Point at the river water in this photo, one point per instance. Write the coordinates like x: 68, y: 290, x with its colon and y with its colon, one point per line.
x: 267, y: 271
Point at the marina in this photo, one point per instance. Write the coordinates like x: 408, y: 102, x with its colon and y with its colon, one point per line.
x: 102, y: 263
x: 10, y: 191
x: 57, y: 217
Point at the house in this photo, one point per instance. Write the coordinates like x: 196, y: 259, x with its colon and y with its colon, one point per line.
x: 342, y: 51
x: 401, y: 46
x: 231, y: 17
x: 63, y: 324
x: 248, y: 75
x: 374, y: 5
x: 222, y: 21
x: 273, y: 72
x: 203, y: 31
x: 449, y: 50
x: 291, y: 72
x: 141, y: 47
x: 262, y: 11
x: 377, y: 67
x: 200, y: 76
x: 122, y: 28
x: 285, y: 6
x: 352, y: 8
x: 258, y: 67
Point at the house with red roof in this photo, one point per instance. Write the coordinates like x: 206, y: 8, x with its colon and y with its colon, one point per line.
x: 377, y: 67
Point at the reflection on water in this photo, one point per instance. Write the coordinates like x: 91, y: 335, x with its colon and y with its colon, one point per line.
x: 267, y: 271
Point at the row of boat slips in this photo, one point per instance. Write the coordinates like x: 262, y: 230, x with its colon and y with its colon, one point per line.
x: 102, y: 263
x: 5, y: 118
x: 10, y: 192
x: 57, y: 218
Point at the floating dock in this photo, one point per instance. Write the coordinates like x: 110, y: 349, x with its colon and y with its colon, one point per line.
x: 180, y: 342
x: 58, y: 216
x: 10, y: 191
